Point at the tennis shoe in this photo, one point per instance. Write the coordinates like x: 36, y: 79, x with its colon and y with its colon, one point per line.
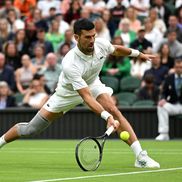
x: 162, y: 137
x: 144, y: 161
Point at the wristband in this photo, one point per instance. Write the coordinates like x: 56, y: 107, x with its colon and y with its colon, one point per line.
x: 134, y: 53
x: 105, y: 115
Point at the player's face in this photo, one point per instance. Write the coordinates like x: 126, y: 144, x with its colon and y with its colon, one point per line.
x: 86, y: 41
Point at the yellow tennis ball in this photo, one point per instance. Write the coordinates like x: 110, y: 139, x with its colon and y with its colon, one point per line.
x: 124, y: 135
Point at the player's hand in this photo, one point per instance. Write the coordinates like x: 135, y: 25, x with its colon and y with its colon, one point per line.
x: 112, y: 122
x: 146, y: 57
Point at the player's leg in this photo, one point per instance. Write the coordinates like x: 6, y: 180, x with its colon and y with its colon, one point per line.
x: 38, y: 124
x: 142, y: 159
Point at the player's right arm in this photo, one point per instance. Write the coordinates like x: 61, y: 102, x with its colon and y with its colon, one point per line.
x: 94, y: 105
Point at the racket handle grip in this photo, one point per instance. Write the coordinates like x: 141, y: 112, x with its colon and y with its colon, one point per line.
x: 109, y: 130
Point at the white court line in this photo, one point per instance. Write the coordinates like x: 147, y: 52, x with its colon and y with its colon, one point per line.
x: 109, y: 175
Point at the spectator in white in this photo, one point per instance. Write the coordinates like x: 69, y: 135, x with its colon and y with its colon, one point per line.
x: 156, y: 21
x: 7, y: 6
x: 45, y: 5
x: 63, y: 25
x: 6, y: 99
x: 95, y: 7
x: 174, y: 45
x: 36, y: 96
x: 171, y: 102
x: 14, y: 22
x: 101, y: 29
x: 112, y: 3
x: 142, y: 7
x: 153, y: 35
x: 52, y: 71
x: 173, y: 25
x: 24, y: 74
x: 135, y: 24
x: 127, y: 35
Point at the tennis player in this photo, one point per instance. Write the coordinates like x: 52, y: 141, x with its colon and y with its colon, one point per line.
x: 79, y: 83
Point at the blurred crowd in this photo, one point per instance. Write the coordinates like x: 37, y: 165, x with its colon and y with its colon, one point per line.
x: 35, y: 35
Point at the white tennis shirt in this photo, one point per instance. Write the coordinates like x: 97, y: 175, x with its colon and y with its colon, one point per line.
x: 80, y: 70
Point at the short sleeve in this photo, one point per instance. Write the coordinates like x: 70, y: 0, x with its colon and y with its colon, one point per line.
x: 74, y: 78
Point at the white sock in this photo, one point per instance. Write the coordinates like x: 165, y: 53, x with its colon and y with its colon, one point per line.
x: 136, y: 147
x: 2, y: 141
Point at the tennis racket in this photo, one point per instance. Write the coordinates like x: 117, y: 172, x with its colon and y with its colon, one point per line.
x: 89, y: 151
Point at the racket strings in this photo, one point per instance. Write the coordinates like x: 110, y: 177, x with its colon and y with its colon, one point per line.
x: 89, y: 154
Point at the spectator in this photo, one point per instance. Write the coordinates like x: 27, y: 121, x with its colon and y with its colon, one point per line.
x: 74, y: 11
x: 21, y: 42
x: 45, y: 5
x: 125, y: 32
x: 7, y: 6
x: 85, y: 13
x: 52, y: 71
x: 112, y: 3
x: 163, y: 11
x: 101, y: 29
x: 149, y: 91
x: 117, y: 66
x: 95, y: 7
x: 42, y: 80
x: 11, y: 54
x: 117, y: 13
x: 139, y: 67
x: 14, y: 22
x: 156, y: 21
x: 106, y: 16
x: 24, y: 75
x: 5, y: 35
x: 171, y: 102
x: 141, y: 43
x: 7, y: 73
x: 63, y: 25
x: 179, y: 16
x: 6, y: 100
x: 68, y: 39
x: 38, y: 60
x: 54, y: 36
x: 142, y: 7
x: 174, y: 45
x: 35, y: 97
x: 157, y: 70
x: 173, y: 25
x: 166, y: 60
x: 135, y: 24
x: 151, y: 33
x: 36, y: 19
x: 62, y: 51
x: 25, y: 6
x: 41, y: 40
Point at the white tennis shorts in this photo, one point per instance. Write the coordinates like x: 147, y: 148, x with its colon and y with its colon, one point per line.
x: 62, y: 103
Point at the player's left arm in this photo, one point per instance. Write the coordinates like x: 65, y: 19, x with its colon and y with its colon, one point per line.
x: 124, y: 51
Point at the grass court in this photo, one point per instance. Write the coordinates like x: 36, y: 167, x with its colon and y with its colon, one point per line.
x: 54, y: 160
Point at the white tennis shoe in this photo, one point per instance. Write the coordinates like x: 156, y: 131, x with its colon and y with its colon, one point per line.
x: 144, y: 161
x: 162, y: 137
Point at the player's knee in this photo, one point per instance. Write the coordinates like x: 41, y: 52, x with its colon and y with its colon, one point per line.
x: 26, y: 130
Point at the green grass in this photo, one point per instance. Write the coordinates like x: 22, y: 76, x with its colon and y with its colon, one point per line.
x: 31, y: 160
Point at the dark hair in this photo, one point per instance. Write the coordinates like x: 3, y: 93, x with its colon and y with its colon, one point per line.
x: 82, y: 24
x: 149, y: 78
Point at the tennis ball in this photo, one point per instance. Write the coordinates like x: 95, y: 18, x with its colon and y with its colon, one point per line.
x: 124, y: 135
